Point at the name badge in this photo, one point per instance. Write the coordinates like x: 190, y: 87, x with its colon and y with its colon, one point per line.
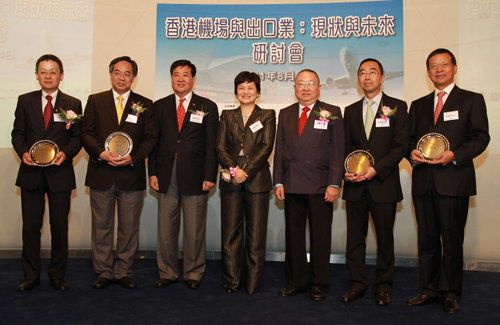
x: 382, y: 122
x: 320, y: 124
x: 57, y: 118
x: 196, y: 118
x: 256, y: 126
x: 450, y: 116
x: 131, y: 118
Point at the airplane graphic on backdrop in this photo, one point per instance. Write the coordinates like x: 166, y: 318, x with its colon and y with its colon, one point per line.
x: 349, y: 60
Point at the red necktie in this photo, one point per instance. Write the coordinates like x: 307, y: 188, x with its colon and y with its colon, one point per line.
x: 47, y: 112
x: 181, y: 112
x: 439, y: 106
x: 303, y: 119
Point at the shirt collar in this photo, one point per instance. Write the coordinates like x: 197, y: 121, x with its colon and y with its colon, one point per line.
x: 447, y: 90
x: 377, y: 99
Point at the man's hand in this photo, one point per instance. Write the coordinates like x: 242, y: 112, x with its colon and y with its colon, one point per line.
x: 60, y: 158
x: 27, y: 159
x: 120, y: 161
x: 417, y: 157
x: 332, y: 193
x: 368, y: 174
x: 207, y: 186
x: 153, y: 183
x: 445, y: 158
x: 279, y: 192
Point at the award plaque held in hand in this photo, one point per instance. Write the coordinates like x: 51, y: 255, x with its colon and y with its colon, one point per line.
x: 43, y: 152
x: 358, y: 161
x: 432, y: 145
x: 119, y: 143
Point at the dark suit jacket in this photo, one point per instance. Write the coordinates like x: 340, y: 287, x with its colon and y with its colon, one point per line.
x: 193, y: 147
x: 388, y: 145
x: 99, y: 122
x: 309, y: 163
x: 257, y: 146
x: 468, y: 137
x: 29, y: 128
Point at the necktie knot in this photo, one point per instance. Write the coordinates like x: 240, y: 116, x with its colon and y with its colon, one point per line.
x: 441, y: 94
x: 49, y: 98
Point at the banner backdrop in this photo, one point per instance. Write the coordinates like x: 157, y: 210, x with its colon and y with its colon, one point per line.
x: 277, y: 41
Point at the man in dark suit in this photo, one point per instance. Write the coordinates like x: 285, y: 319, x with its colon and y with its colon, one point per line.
x: 307, y: 171
x: 183, y: 169
x: 441, y: 187
x: 378, y: 124
x: 38, y: 117
x: 117, y: 179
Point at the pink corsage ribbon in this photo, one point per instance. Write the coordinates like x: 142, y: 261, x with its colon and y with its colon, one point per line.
x: 233, y: 170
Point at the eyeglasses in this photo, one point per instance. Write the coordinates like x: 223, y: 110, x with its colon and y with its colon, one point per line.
x: 119, y: 74
x: 370, y: 74
x: 309, y: 84
x: 51, y: 73
x: 442, y: 65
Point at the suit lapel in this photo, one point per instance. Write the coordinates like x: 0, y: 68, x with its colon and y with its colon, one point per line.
x: 308, y: 128
x: 37, y: 115
x: 110, y: 108
x: 253, y: 117
x: 429, y: 110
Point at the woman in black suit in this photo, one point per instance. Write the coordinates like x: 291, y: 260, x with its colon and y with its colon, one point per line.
x: 244, y: 143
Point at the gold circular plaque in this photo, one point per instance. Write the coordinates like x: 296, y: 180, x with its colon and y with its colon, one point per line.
x: 432, y: 145
x: 119, y: 143
x: 44, y: 152
x: 358, y: 161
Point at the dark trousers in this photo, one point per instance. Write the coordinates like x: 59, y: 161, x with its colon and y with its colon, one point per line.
x: 243, y: 237
x: 298, y: 209
x: 383, y: 215
x: 33, y: 209
x: 441, y: 223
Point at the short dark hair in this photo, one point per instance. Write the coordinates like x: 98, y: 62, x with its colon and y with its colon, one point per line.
x: 181, y: 63
x: 49, y: 57
x: 372, y: 60
x: 247, y: 76
x: 135, y: 68
x: 307, y: 70
x: 440, y: 51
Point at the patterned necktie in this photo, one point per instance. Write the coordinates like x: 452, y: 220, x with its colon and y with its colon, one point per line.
x: 47, y: 112
x: 303, y: 119
x: 181, y: 112
x: 439, y: 106
x: 119, y: 108
x: 369, y: 118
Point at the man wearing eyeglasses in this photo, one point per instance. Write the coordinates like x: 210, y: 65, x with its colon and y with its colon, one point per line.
x: 441, y: 187
x: 37, y: 118
x: 377, y: 124
x: 308, y: 160
x: 117, y: 178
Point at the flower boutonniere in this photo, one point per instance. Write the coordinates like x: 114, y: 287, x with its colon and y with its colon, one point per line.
x: 199, y: 112
x: 388, y: 112
x: 69, y: 116
x: 138, y: 109
x: 325, y: 115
